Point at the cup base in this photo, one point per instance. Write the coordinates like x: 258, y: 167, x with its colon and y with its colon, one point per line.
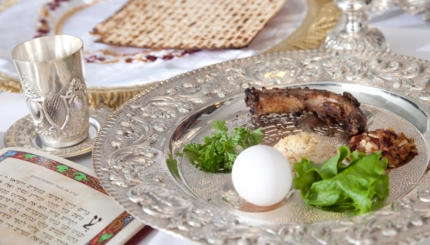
x: 55, y: 144
x: 23, y: 134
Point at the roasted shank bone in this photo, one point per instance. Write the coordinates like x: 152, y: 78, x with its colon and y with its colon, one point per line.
x: 343, y: 110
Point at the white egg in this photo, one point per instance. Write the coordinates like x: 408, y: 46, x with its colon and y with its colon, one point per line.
x: 261, y: 175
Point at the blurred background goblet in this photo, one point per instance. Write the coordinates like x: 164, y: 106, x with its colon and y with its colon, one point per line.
x: 353, y: 32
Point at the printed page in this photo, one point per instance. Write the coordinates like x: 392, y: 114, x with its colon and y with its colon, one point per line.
x: 47, y: 201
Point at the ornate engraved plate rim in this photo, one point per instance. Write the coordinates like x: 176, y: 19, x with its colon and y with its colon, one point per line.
x: 132, y: 144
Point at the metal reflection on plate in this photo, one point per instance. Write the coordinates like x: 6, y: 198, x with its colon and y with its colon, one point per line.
x: 134, y: 162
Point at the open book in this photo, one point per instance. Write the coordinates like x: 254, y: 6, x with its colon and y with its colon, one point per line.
x: 49, y: 200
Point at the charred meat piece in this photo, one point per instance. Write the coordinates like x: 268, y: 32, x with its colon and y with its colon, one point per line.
x: 397, y: 148
x: 330, y: 107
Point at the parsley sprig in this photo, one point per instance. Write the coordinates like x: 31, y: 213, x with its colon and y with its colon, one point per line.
x: 220, y: 149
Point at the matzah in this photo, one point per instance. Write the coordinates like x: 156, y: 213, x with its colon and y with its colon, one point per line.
x: 187, y: 24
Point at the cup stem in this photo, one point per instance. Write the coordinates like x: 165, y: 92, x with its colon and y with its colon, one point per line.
x: 353, y: 32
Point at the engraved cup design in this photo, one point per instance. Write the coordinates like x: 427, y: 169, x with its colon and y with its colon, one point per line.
x: 51, y: 75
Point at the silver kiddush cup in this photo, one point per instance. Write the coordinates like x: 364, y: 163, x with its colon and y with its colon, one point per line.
x: 51, y: 74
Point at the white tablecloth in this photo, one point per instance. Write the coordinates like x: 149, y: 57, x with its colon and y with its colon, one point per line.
x: 406, y: 34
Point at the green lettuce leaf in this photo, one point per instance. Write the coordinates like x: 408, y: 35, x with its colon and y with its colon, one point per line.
x: 359, y: 186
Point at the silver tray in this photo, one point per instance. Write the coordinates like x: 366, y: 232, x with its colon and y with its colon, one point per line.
x: 131, y: 150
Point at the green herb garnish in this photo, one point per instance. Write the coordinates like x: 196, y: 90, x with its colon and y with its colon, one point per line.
x: 359, y: 186
x: 220, y: 149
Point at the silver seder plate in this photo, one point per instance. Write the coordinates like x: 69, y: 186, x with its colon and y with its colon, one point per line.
x: 131, y: 151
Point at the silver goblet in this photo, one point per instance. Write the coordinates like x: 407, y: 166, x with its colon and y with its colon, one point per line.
x: 353, y: 32
x: 51, y: 73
